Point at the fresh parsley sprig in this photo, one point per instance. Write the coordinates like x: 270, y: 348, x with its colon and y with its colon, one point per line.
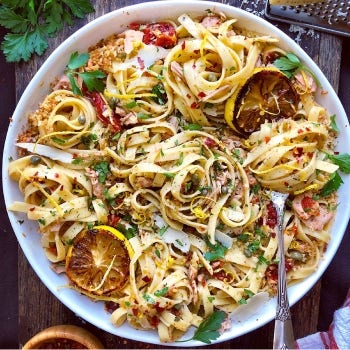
x: 32, y: 22
x: 208, y: 330
x: 216, y: 251
x: 92, y: 79
x: 332, y: 184
x: 342, y: 160
x: 290, y: 64
x: 335, y: 180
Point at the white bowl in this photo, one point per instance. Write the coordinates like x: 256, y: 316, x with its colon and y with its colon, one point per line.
x: 117, y: 21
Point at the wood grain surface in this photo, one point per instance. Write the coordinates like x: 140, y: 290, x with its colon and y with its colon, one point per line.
x: 38, y: 308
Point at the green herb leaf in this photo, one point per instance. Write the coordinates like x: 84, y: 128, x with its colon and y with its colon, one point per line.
x: 77, y: 60
x: 102, y: 169
x: 248, y: 292
x: 217, y: 251
x: 342, y: 160
x: 32, y: 22
x: 208, y: 330
x: 290, y: 64
x: 334, y: 125
x: 143, y: 116
x: 332, y: 185
x: 129, y: 232
x: 12, y: 20
x: 148, y: 298
x: 169, y: 175
x: 192, y: 127
x: 92, y: 79
x: 162, y: 230
x: 161, y: 292
x: 79, y: 8
x: 160, y: 94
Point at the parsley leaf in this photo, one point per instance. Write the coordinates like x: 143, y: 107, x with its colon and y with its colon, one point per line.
x: 160, y: 94
x: 334, y: 125
x: 76, y: 61
x: 208, y: 330
x: 342, y: 160
x: 290, y: 64
x: 161, y: 292
x: 32, y: 22
x: 217, y: 251
x: 92, y: 79
x: 102, y: 169
x: 192, y: 127
x: 332, y: 185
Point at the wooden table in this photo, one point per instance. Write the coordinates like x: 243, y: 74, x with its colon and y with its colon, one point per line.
x: 39, y: 309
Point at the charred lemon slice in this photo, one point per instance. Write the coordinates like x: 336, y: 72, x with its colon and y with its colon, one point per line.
x: 98, y: 260
x: 267, y: 95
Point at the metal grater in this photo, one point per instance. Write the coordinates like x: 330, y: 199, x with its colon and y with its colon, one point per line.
x: 331, y: 16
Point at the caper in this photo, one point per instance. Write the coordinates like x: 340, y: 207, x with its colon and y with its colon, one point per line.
x: 81, y: 119
x: 296, y: 255
x: 212, y: 77
x: 195, y: 179
x: 224, y: 189
x: 247, y: 252
x: 35, y: 160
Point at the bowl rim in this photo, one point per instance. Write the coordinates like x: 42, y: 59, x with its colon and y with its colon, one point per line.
x: 60, y: 54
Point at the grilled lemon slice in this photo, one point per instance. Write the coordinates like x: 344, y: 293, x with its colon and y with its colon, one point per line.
x: 98, y: 260
x: 267, y: 95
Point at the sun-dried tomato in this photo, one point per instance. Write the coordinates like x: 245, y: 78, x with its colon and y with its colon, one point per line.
x: 100, y: 106
x: 271, y: 219
x: 210, y: 143
x: 160, y: 34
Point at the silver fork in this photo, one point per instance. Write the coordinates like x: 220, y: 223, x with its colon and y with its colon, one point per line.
x: 283, y: 334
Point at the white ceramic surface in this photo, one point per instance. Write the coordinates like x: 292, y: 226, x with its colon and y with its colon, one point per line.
x: 117, y: 21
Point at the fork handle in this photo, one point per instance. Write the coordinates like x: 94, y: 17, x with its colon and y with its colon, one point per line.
x: 283, y: 335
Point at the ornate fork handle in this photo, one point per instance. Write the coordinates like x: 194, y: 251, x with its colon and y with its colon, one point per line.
x: 283, y: 335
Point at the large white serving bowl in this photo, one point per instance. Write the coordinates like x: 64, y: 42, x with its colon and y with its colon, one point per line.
x: 114, y: 22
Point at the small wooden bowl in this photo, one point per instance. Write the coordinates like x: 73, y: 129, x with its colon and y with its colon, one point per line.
x: 64, y: 337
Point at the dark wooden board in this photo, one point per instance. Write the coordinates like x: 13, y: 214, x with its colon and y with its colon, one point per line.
x: 38, y: 308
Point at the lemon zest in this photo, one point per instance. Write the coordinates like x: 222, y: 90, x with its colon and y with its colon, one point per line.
x: 61, y: 133
x: 203, y: 43
x: 307, y: 188
x: 294, y: 245
x: 280, y: 166
x: 198, y: 211
x: 49, y: 197
x: 268, y: 112
x: 104, y: 276
x: 118, y: 235
x: 51, y: 200
x: 126, y: 81
x: 140, y: 218
x: 128, y: 96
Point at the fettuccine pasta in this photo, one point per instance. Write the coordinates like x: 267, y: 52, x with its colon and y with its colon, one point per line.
x: 152, y: 156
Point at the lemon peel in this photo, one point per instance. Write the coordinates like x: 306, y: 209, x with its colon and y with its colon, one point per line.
x: 119, y: 235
